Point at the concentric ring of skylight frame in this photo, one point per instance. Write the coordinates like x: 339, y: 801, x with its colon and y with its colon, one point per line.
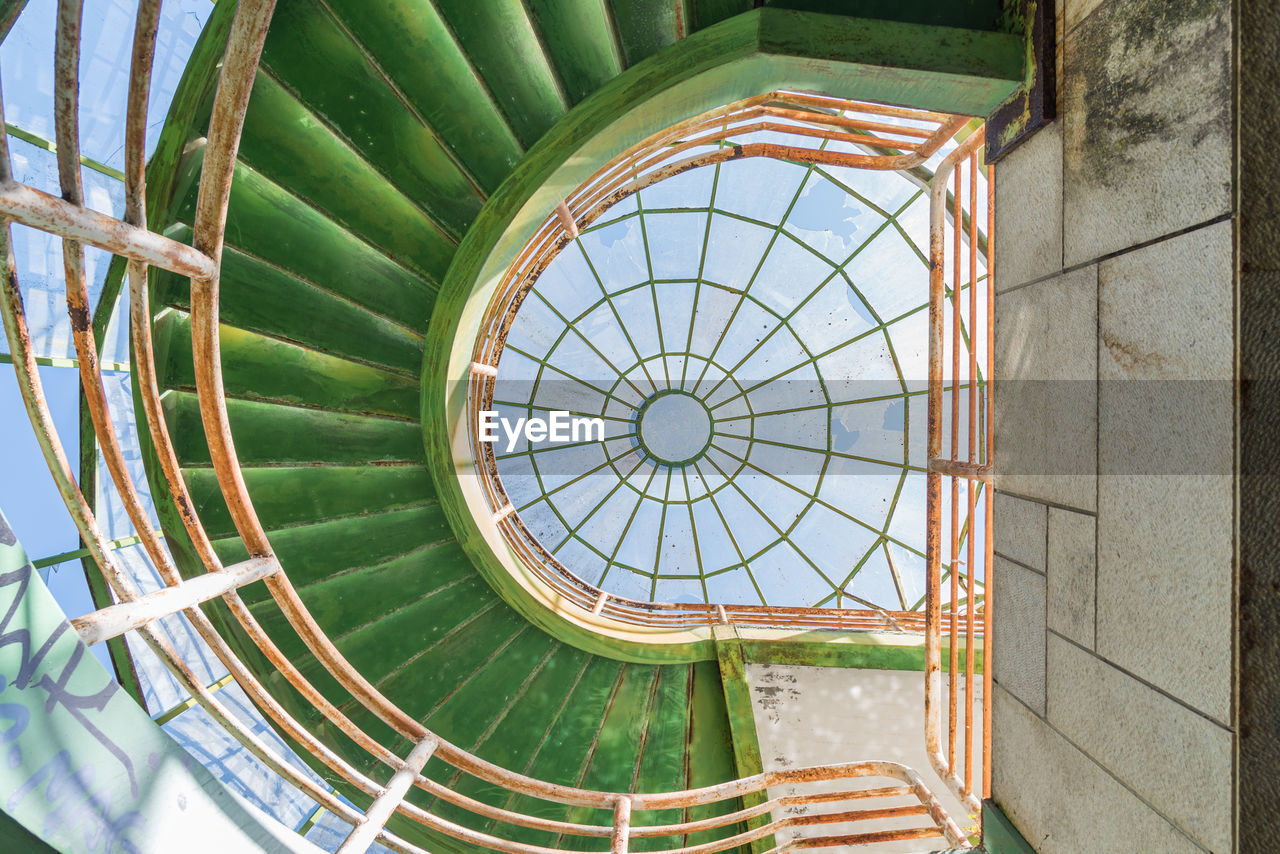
x: 793, y: 301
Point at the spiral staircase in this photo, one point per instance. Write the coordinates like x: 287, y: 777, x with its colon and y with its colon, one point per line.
x: 375, y: 134
x: 347, y: 207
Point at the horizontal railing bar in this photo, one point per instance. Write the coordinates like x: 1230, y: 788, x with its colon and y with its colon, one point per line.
x: 115, y: 620
x: 859, y: 815
x: 386, y: 803
x: 870, y: 107
x: 31, y: 207
x: 487, y: 841
x: 655, y: 830
x: 864, y: 838
x: 961, y: 468
x: 769, y: 779
x: 848, y: 123
x: 854, y: 794
x: 767, y: 807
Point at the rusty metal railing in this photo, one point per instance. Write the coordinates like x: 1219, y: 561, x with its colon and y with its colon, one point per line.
x: 904, y: 795
x: 803, y: 121
x: 967, y: 464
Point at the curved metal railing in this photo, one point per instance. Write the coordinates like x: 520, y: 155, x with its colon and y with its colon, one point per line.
x: 890, y: 139
x: 904, y: 795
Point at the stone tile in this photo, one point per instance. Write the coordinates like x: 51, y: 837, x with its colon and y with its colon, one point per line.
x: 1166, y: 435
x: 1071, y: 570
x: 1147, y: 142
x: 1165, y: 311
x: 1046, y: 356
x: 1019, y: 528
x: 1060, y: 800
x: 1029, y: 210
x: 1075, y: 11
x: 1018, y: 633
x: 1164, y: 583
x: 1152, y: 744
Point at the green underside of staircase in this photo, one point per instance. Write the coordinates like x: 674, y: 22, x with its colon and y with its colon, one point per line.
x: 376, y: 133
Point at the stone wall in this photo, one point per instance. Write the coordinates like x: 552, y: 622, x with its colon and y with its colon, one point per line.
x: 1116, y: 348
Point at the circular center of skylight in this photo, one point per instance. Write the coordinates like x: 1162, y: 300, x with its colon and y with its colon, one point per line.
x: 674, y: 427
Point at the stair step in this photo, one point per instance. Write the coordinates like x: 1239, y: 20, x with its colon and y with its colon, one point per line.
x: 647, y: 26
x: 393, y: 641
x: 422, y: 681
x: 309, y: 553
x: 580, y: 41
x: 665, y: 747
x: 273, y: 434
x: 709, y: 730
x: 616, y: 749
x: 257, y: 297
x: 319, y: 168
x: 561, y: 756
x: 256, y: 367
x: 518, y: 735
x: 451, y: 98
x: 357, y: 101
x: 475, y: 705
x: 268, y: 222
x: 499, y: 39
x: 708, y: 12
x: 296, y: 495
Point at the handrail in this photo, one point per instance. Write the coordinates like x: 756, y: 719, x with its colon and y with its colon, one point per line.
x: 956, y: 766
x: 114, y: 620
x: 66, y: 121
x: 239, y: 66
x: 31, y: 207
x: 141, y: 248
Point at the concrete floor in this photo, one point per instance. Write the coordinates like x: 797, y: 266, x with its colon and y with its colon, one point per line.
x: 823, y: 715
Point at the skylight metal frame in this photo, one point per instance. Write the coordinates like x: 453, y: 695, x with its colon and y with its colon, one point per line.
x: 881, y: 326
x: 806, y: 124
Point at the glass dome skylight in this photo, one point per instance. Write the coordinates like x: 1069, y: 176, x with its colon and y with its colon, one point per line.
x: 753, y: 335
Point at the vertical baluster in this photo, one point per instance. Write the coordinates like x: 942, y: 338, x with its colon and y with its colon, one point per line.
x: 957, y: 219
x: 621, y: 826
